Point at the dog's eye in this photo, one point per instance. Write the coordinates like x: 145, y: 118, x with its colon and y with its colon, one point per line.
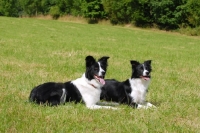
x: 96, y: 68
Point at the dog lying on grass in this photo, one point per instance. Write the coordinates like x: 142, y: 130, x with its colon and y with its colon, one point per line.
x: 86, y: 88
x: 131, y: 91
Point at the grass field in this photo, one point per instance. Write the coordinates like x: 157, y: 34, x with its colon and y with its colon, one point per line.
x: 34, y: 51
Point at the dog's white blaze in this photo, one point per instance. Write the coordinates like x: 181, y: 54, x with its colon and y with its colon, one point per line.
x: 100, y: 70
x: 139, y: 89
x: 63, y: 97
x: 145, y: 71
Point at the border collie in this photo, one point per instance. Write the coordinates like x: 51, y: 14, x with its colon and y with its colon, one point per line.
x: 85, y: 89
x: 131, y: 91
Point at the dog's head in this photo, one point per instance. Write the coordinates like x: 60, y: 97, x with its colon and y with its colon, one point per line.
x: 96, y: 70
x: 141, y: 70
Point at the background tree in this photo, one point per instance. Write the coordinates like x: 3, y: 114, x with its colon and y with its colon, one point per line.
x: 9, y: 8
x: 193, y: 12
x: 119, y: 12
x: 165, y: 13
x: 77, y: 8
x: 93, y: 9
x: 45, y: 6
x: 54, y: 12
x: 142, y: 15
x: 30, y: 7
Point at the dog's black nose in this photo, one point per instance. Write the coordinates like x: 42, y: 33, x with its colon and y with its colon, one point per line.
x: 103, y: 73
x: 147, y: 73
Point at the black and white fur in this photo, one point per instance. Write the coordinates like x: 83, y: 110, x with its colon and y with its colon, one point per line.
x: 131, y: 91
x: 85, y: 89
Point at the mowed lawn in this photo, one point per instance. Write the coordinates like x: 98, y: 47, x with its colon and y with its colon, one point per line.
x: 33, y: 51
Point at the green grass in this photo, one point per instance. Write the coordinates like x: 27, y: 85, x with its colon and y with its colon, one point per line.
x: 34, y: 51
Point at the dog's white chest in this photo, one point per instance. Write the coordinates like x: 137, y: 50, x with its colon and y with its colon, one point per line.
x: 139, y: 89
x: 90, y: 94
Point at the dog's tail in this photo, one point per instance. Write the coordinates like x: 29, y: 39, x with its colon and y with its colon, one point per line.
x: 32, y: 96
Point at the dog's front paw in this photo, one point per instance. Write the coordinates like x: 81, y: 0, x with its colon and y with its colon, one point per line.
x: 114, y: 108
x: 140, y: 106
x: 101, y: 107
x: 150, y: 105
x: 145, y: 106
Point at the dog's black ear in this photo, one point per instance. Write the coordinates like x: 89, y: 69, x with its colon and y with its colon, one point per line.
x: 89, y: 61
x: 134, y: 63
x: 103, y: 59
x: 148, y: 62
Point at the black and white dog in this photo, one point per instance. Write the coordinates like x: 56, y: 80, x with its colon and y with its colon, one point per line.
x: 131, y: 91
x: 86, y: 89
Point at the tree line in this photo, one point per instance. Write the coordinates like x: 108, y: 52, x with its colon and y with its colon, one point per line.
x: 165, y: 14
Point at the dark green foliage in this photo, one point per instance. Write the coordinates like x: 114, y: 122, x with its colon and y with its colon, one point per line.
x: 93, y: 9
x: 119, y: 12
x: 76, y: 8
x: 166, y: 13
x: 31, y: 7
x: 55, y: 12
x: 142, y: 15
x: 46, y: 6
x: 9, y: 8
x: 193, y: 12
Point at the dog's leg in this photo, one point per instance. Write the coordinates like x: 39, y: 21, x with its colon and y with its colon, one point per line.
x: 146, y: 105
x: 150, y: 105
x: 140, y: 106
x: 101, y: 107
x: 108, y: 103
x: 63, y: 97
